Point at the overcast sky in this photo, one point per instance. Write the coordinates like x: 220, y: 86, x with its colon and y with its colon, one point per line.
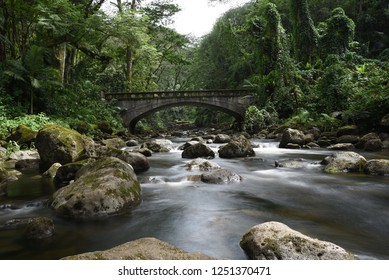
x: 198, y: 16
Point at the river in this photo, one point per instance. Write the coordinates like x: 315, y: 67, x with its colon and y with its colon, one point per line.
x: 350, y: 210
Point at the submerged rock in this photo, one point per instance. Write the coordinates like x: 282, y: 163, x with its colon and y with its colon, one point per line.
x: 202, y: 165
x: 141, y: 249
x: 276, y: 241
x: 105, y: 187
x: 221, y: 176
x: 291, y: 163
x: 341, y: 162
x: 39, y: 228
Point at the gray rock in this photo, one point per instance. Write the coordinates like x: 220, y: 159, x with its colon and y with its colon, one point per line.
x: 24, y: 154
x: 237, y: 147
x: 292, y: 136
x: 291, y: 163
x: 198, y: 150
x: 276, y: 241
x: 114, y: 143
x: 378, y: 167
x: 202, y: 165
x: 138, y: 161
x: 144, y: 151
x: 105, y: 187
x: 221, y: 176
x: 373, y: 145
x: 293, y: 146
x: 132, y: 143
x: 5, y: 178
x: 141, y: 249
x: 373, y: 138
x: 156, y: 146
x: 341, y: 162
x: 222, y: 139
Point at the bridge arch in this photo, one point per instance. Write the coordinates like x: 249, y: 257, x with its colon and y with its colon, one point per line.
x: 138, y: 105
x: 132, y: 124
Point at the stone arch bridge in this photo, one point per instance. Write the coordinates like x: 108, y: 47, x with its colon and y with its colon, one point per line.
x: 138, y: 105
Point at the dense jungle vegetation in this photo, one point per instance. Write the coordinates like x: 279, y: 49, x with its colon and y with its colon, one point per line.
x: 317, y: 62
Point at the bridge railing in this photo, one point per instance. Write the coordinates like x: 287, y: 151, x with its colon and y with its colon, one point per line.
x: 177, y: 94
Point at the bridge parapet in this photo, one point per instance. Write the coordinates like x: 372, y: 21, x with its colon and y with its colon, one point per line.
x: 178, y: 94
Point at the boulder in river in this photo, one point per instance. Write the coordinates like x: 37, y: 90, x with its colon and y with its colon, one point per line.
x: 341, y: 162
x: 378, y: 167
x: 141, y: 249
x: 222, y: 138
x: 221, y: 176
x: 67, y: 172
x: 157, y: 145
x: 105, y: 187
x: 276, y: 241
x: 116, y: 143
x: 341, y: 147
x: 62, y: 145
x: 52, y: 171
x: 198, y: 150
x: 138, y: 161
x: 292, y: 136
x: 237, y: 147
x: 347, y: 130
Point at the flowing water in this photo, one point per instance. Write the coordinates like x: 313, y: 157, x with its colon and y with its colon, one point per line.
x: 351, y: 210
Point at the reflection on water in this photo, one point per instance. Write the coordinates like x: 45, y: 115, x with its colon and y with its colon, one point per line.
x: 350, y: 210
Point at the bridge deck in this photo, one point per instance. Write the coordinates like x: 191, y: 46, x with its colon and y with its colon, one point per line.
x: 177, y: 94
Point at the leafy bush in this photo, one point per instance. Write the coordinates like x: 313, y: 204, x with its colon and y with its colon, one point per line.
x: 257, y: 119
x: 305, y: 119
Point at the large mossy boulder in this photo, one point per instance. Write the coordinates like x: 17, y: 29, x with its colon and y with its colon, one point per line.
x: 198, y: 150
x: 141, y: 249
x: 347, y: 130
x: 22, y: 135
x: 58, y: 144
x: 276, y: 241
x: 105, y: 187
x: 342, y: 162
x: 237, y: 147
x: 292, y: 136
x: 378, y: 167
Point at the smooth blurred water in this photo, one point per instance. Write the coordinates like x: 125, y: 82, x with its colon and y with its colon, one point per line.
x: 351, y: 210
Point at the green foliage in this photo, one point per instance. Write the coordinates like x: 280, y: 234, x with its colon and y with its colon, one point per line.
x: 305, y: 35
x: 338, y: 33
x: 305, y: 119
x: 257, y: 119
